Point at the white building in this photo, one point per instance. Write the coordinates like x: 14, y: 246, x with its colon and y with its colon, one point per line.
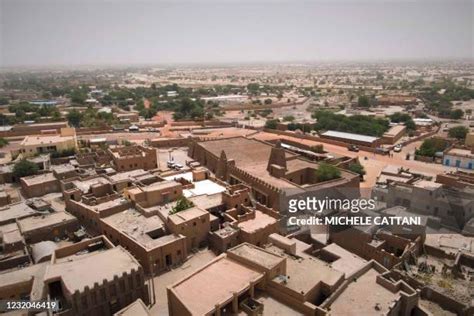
x: 459, y: 158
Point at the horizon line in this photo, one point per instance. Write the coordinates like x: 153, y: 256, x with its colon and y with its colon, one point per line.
x: 73, y: 66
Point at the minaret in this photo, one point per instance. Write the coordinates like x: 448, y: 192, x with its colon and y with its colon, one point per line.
x: 221, y: 171
x: 277, y: 157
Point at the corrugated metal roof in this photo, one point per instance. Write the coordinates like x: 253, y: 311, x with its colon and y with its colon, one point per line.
x: 350, y: 136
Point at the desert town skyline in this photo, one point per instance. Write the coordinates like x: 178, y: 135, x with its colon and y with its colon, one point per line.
x: 236, y: 158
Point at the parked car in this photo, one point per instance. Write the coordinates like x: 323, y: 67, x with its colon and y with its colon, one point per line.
x: 397, y: 148
x: 353, y: 147
x: 382, y: 150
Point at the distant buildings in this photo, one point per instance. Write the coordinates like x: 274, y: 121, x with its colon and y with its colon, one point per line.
x: 396, y: 100
x: 33, y: 145
x: 423, y: 122
x: 394, y: 134
x: 44, y: 102
x: 34, y: 128
x: 350, y: 138
x: 133, y: 157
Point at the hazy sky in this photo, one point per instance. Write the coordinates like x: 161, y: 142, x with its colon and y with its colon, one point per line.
x: 74, y: 32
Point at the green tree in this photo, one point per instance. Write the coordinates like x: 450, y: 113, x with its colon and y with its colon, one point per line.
x: 271, y: 124
x: 74, y: 118
x: 253, y: 88
x: 268, y: 101
x: 458, y: 132
x: 289, y: 118
x: 357, y: 168
x: 4, y: 101
x: 326, y: 172
x: 148, y: 113
x: 78, y: 96
x: 405, y: 118
x: 24, y: 168
x: 3, y: 142
x: 363, y: 101
x: 456, y: 114
x: 359, y: 124
x: 56, y: 116
x: 181, y: 204
x: 431, y: 146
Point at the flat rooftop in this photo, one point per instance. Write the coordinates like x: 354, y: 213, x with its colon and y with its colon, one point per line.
x: 219, y: 279
x: 425, y: 184
x: 137, y: 227
x: 450, y: 243
x: 348, y: 263
x: 108, y: 205
x: 260, y: 221
x: 163, y: 185
x: 187, y: 215
x: 249, y: 155
x: 204, y: 187
x: 121, y: 176
x: 362, y: 296
x: 33, y: 274
x: 130, y: 151
x: 350, y: 136
x: 10, y: 233
x: 394, y: 130
x: 185, y: 175
x: 77, y: 274
x: 460, y: 152
x: 207, y: 201
x: 85, y: 185
x: 63, y: 168
x: 39, y: 179
x: 257, y: 255
x: 15, y: 211
x: 306, y: 273
x: 45, y: 140
x: 226, y: 231
x: 37, y: 222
